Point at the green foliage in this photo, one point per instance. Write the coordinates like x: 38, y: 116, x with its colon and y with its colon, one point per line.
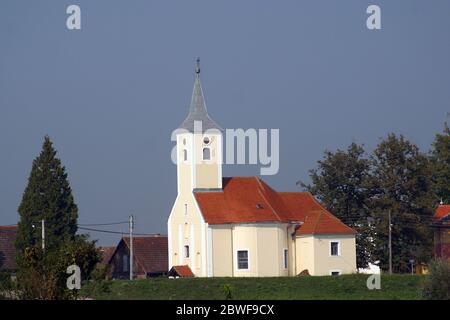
x: 437, y: 283
x: 47, y: 196
x: 340, y: 182
x: 279, y: 288
x: 95, y: 288
x: 101, y: 272
x: 227, y: 290
x: 80, y: 252
x: 7, y: 286
x: 396, y: 177
x: 401, y: 184
x: 440, y: 158
x: 43, y: 275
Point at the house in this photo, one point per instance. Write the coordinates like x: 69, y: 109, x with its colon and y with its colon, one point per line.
x: 441, y: 227
x: 149, y: 257
x: 8, y: 249
x: 181, y: 272
x: 240, y: 226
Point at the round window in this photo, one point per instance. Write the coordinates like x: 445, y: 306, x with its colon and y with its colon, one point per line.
x: 206, y: 140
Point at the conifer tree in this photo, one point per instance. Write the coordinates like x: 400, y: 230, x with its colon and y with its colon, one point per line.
x: 440, y: 158
x: 48, y: 197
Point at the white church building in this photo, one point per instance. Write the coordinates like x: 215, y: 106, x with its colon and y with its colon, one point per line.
x: 240, y: 226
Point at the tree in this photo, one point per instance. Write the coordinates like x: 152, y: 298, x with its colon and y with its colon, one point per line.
x: 47, y: 196
x: 401, y: 184
x: 440, y: 158
x: 340, y: 183
x: 43, y: 275
x: 436, y: 285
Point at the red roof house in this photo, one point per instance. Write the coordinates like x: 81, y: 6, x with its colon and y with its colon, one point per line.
x: 441, y: 226
x: 7, y: 248
x: 149, y: 257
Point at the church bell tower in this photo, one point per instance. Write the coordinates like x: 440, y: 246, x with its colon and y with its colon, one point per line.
x: 199, y: 146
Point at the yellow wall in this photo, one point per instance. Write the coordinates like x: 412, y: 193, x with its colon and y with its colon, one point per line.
x: 304, y: 249
x: 265, y: 243
x: 208, y: 172
x: 190, y: 229
x: 324, y: 263
x: 222, y: 250
x: 180, y: 233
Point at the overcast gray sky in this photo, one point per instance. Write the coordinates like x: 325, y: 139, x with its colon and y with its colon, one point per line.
x: 110, y: 94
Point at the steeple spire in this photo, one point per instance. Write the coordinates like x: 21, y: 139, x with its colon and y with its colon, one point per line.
x: 197, y: 110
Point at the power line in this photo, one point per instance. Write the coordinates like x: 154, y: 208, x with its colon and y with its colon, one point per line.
x: 98, y: 230
x: 117, y: 232
x: 102, y: 224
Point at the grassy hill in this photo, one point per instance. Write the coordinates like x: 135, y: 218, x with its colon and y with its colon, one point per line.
x: 342, y: 287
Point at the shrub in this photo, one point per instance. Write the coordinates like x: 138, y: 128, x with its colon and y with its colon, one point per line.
x: 6, y: 286
x: 227, y: 290
x: 437, y: 283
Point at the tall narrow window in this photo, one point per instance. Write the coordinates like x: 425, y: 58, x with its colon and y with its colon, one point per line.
x: 285, y: 258
x: 186, y: 251
x: 242, y: 259
x: 184, y: 155
x: 206, y: 154
x: 334, y: 248
x: 185, y: 209
x: 186, y: 230
x: 125, y: 263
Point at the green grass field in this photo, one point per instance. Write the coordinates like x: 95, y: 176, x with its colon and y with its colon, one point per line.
x: 343, y: 287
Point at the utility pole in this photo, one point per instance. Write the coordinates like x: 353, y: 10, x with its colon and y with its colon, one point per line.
x: 412, y: 265
x: 131, y: 247
x: 390, y: 243
x: 43, y: 234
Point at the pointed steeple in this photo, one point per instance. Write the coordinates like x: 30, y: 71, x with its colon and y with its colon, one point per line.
x: 197, y: 110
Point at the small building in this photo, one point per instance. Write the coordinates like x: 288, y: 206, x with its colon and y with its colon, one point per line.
x: 8, y: 249
x: 441, y: 227
x: 181, y: 272
x: 149, y: 257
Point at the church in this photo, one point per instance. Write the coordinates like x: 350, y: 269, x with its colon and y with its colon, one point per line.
x: 240, y: 226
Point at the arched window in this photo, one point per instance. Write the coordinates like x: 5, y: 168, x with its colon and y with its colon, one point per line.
x: 206, y: 154
x: 184, y: 155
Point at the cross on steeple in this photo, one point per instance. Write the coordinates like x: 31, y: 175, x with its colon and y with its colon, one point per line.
x: 197, y: 68
x: 197, y: 110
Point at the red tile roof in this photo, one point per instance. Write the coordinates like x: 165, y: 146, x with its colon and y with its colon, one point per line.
x: 249, y: 199
x: 7, y: 248
x: 441, y: 211
x: 150, y: 253
x: 181, y: 271
x: 316, y: 219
